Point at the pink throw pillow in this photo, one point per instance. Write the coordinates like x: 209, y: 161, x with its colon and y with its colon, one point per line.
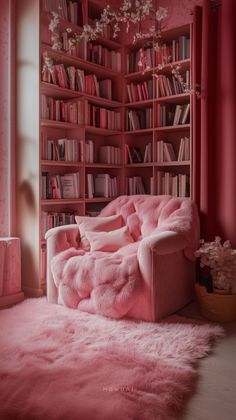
x: 109, y: 241
x: 97, y: 224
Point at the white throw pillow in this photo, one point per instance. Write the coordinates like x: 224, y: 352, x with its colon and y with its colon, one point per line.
x: 97, y: 224
x: 109, y: 241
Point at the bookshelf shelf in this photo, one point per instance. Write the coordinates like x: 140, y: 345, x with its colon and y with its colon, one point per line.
x: 64, y: 57
x: 58, y: 124
x: 55, y: 163
x: 102, y: 101
x: 57, y: 91
x: 101, y: 131
x: 167, y: 68
x: 63, y: 93
x: 99, y: 200
x: 174, y: 163
x: 173, y: 128
x: 174, y: 99
x: 138, y: 76
x: 140, y: 165
x: 139, y: 104
x: 142, y: 131
x: 102, y: 165
x: 60, y: 202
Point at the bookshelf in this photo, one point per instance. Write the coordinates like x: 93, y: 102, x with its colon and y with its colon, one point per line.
x: 159, y: 115
x: 85, y: 152
x: 100, y: 128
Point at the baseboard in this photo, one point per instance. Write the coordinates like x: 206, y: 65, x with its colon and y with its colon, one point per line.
x: 32, y: 292
x: 10, y: 300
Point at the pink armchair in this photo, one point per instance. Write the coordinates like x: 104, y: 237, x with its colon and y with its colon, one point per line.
x: 147, y: 279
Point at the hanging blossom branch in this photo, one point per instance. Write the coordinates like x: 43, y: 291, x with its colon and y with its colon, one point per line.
x: 176, y: 71
x: 130, y: 13
x: 187, y: 88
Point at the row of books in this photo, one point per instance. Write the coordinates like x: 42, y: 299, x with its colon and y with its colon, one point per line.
x: 140, y: 91
x: 171, y: 114
x: 62, y: 110
x: 170, y: 85
x: 101, y: 185
x: 106, y: 154
x: 164, y: 86
x: 68, y: 10
x: 135, y: 154
x: 110, y: 155
x: 135, y: 185
x: 76, y: 80
x: 63, y: 149
x: 139, y: 119
x: 174, y: 184
x: 177, y: 50
x: 72, y: 150
x: 96, y: 53
x: 60, y: 186
x: 102, y: 117
x: 167, y: 153
x: 51, y: 219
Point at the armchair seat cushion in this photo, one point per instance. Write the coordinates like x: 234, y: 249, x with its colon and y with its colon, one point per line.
x: 98, y: 282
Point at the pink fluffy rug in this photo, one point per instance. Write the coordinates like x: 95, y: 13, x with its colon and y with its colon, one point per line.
x: 58, y: 363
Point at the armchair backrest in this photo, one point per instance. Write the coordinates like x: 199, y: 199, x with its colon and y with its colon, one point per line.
x: 146, y: 215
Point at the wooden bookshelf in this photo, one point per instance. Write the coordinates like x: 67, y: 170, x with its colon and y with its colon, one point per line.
x: 50, y: 136
x: 161, y: 91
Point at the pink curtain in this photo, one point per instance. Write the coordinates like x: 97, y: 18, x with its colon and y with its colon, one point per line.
x: 218, y: 128
x: 7, y: 116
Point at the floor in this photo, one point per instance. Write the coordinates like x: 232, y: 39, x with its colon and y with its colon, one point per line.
x: 215, y: 396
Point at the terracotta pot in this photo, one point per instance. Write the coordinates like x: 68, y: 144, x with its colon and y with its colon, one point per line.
x: 216, y: 306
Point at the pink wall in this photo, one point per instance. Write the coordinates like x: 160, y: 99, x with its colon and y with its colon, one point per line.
x: 218, y: 169
x: 7, y: 118
x: 4, y: 103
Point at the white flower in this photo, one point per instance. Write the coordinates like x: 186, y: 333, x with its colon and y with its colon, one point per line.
x: 130, y: 12
x: 161, y: 13
x: 221, y: 259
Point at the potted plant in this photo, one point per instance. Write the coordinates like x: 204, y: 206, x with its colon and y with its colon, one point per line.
x: 216, y: 290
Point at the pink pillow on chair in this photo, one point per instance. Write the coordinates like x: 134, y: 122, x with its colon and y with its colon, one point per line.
x: 97, y: 224
x: 109, y: 241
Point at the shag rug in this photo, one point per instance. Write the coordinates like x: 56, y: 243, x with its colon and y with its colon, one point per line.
x: 58, y: 363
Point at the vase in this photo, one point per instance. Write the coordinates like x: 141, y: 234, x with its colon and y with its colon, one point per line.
x: 216, y: 306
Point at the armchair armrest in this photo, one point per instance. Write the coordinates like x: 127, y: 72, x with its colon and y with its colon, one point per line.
x: 163, y: 243
x: 168, y: 275
x: 58, y: 239
x: 65, y: 236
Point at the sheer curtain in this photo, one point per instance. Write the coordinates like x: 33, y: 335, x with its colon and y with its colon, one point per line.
x: 218, y: 129
x: 7, y: 118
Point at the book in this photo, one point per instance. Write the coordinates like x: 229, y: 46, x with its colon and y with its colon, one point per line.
x: 168, y: 152
x: 70, y: 185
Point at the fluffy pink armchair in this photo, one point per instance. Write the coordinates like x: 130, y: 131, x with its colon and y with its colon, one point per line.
x: 147, y: 279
